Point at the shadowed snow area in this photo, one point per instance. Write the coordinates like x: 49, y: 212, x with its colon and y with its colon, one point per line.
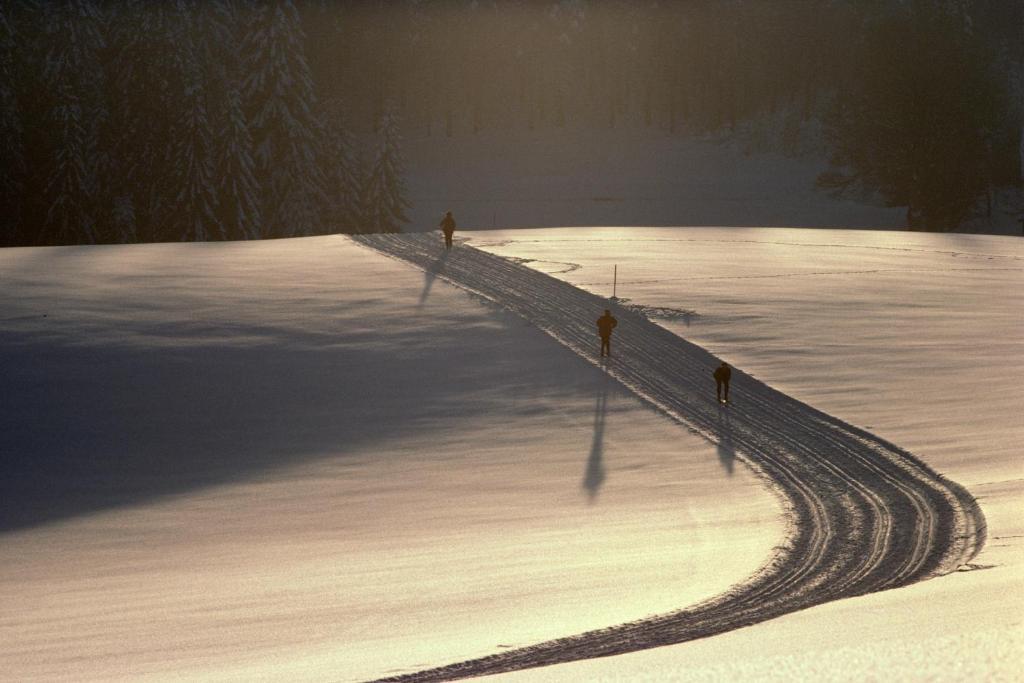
x: 300, y: 459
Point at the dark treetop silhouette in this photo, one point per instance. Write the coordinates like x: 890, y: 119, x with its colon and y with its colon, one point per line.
x: 139, y: 122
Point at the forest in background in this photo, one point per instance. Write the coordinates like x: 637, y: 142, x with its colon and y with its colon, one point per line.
x: 222, y: 119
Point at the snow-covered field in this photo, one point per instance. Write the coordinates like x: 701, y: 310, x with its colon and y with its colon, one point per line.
x: 301, y: 459
x: 917, y: 338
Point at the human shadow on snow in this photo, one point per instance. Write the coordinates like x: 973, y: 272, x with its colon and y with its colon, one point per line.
x: 725, y: 447
x: 430, y: 274
x: 594, y: 475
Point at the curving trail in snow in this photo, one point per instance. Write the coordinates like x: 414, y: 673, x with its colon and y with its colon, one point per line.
x: 864, y: 514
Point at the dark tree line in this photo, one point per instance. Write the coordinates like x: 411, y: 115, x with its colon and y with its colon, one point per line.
x: 921, y: 101
x: 176, y: 120
x: 931, y: 117
x: 224, y: 119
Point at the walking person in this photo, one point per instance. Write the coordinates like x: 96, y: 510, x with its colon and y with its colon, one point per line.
x: 605, y: 324
x: 722, y: 375
x: 448, y: 228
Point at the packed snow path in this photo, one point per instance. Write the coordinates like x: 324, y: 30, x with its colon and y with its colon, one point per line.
x: 864, y: 515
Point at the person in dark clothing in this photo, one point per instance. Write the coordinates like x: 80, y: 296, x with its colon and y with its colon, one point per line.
x: 722, y: 374
x: 448, y: 228
x: 605, y: 324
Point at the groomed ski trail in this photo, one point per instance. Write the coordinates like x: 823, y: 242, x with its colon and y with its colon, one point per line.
x: 863, y: 514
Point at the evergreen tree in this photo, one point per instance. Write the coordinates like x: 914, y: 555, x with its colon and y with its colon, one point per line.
x: 194, y: 214
x: 915, y: 124
x: 12, y: 153
x: 384, y: 197
x: 123, y: 224
x: 71, y: 71
x: 147, y: 73
x: 238, y: 190
x: 216, y: 25
x: 68, y: 218
x: 280, y: 101
x: 118, y: 118
x: 344, y: 175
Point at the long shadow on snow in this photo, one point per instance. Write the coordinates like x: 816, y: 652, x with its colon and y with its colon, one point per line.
x: 430, y: 274
x: 725, y: 447
x: 595, y: 474
x: 166, y: 421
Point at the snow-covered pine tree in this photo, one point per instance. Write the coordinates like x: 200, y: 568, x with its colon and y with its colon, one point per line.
x: 193, y: 216
x: 384, y: 198
x: 216, y: 25
x: 344, y: 174
x: 12, y: 151
x: 68, y: 219
x: 122, y: 219
x: 914, y: 124
x: 71, y: 71
x: 167, y: 70
x: 280, y: 102
x: 147, y: 83
x: 101, y: 115
x: 238, y: 190
x: 238, y: 210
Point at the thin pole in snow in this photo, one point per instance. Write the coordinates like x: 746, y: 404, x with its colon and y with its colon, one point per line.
x: 615, y: 281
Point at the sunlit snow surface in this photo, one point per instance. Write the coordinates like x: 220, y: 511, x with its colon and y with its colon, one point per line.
x: 916, y: 337
x: 300, y: 459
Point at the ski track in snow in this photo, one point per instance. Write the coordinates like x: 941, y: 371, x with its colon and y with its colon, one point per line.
x: 568, y: 266
x: 863, y: 514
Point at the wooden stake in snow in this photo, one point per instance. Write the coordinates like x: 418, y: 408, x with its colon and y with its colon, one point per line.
x: 615, y: 280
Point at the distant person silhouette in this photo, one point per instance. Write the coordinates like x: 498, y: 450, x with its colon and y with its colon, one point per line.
x: 605, y: 324
x: 448, y: 228
x: 722, y: 375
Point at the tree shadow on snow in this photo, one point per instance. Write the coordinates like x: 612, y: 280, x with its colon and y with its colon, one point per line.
x: 88, y: 428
